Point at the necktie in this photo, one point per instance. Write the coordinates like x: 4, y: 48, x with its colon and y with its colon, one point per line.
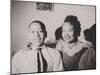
x: 39, y: 53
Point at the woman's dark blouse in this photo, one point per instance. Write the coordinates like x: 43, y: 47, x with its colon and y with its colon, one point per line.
x: 85, y: 58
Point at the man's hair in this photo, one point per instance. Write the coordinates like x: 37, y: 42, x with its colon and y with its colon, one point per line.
x: 42, y: 26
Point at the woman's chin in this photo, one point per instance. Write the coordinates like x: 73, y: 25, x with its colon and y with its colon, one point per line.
x: 68, y: 41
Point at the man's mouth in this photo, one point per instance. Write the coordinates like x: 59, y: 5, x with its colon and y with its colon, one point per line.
x: 38, y: 39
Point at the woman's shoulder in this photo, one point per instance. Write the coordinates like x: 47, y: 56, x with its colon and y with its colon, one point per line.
x: 89, y: 55
x: 53, y: 51
x: 87, y: 45
x: 88, y: 49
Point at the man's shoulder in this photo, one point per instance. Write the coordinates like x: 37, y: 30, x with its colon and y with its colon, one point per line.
x: 53, y: 51
x: 20, y: 53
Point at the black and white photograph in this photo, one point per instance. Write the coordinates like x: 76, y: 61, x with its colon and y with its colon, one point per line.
x: 43, y: 41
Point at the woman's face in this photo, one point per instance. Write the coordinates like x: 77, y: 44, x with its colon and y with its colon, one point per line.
x: 67, y: 32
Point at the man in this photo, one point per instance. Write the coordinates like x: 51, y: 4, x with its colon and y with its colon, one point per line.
x: 38, y: 57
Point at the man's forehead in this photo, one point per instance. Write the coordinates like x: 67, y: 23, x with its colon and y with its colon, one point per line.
x: 35, y: 26
x: 36, y: 23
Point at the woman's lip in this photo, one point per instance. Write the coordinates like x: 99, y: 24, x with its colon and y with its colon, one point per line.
x: 67, y: 37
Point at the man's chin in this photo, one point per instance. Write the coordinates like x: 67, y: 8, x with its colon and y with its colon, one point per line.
x: 38, y: 44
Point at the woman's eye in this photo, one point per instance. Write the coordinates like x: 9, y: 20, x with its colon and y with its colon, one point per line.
x: 64, y: 31
x: 70, y: 30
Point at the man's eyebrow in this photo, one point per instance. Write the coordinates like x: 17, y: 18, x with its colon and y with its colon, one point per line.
x: 32, y: 31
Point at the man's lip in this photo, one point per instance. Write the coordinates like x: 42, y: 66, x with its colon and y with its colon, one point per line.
x: 38, y: 39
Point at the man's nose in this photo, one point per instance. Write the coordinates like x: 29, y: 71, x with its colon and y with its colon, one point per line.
x: 38, y: 34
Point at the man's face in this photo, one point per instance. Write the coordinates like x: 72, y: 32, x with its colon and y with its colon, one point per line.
x: 37, y: 34
x: 67, y: 32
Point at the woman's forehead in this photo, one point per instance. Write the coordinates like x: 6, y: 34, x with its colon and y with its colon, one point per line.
x: 67, y: 25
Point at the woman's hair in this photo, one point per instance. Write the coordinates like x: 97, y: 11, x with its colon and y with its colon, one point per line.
x: 58, y: 34
x: 74, y: 22
x: 42, y: 27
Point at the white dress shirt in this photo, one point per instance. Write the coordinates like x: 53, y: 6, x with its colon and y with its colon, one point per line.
x: 25, y: 60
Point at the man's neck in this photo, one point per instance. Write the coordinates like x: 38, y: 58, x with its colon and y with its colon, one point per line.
x: 35, y: 47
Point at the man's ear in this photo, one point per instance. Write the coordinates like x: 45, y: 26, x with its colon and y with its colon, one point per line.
x: 29, y: 45
x: 45, y: 34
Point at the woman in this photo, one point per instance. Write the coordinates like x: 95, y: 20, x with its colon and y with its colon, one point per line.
x: 72, y: 50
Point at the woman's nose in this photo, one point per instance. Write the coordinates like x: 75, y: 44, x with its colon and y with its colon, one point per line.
x: 66, y: 34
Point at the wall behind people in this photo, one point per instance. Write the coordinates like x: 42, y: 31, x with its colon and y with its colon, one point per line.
x: 22, y: 13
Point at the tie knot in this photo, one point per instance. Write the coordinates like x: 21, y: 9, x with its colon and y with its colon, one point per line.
x: 39, y: 49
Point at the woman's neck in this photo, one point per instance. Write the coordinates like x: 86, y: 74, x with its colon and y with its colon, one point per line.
x: 71, y: 45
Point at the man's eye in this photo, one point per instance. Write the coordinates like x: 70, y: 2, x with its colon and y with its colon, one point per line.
x: 33, y: 31
x: 41, y: 31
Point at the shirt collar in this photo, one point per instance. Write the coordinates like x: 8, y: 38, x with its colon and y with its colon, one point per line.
x: 36, y: 48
